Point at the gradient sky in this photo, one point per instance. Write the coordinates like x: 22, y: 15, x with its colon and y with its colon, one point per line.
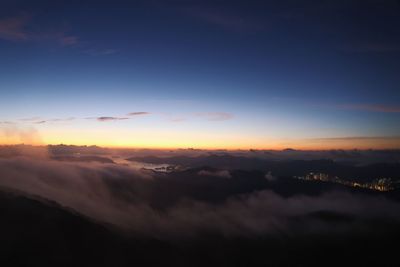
x: 206, y: 74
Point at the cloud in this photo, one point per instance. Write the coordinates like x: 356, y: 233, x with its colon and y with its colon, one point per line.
x: 31, y: 119
x: 68, y: 40
x: 67, y: 183
x: 220, y: 18
x: 215, y: 116
x: 14, y: 28
x: 100, y: 52
x: 270, y: 177
x: 126, y: 197
x: 39, y: 120
x: 210, y: 116
x: 102, y: 119
x: 62, y: 119
x: 61, y: 38
x: 16, y: 134
x: 371, y: 108
x: 357, y: 138
x: 138, y: 113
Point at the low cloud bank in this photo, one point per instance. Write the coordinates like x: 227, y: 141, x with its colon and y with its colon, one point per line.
x: 124, y: 196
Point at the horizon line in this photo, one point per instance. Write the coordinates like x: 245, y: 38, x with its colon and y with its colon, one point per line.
x: 250, y: 149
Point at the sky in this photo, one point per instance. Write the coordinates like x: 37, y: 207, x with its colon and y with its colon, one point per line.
x: 203, y: 74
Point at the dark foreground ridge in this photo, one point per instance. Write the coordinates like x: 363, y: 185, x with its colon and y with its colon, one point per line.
x: 41, y: 233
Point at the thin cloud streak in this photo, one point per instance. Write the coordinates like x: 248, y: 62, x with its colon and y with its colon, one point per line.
x: 31, y: 119
x: 209, y: 116
x: 372, y: 108
x: 138, y: 113
x: 104, y: 119
x: 100, y: 52
x: 68, y: 40
x: 349, y: 138
x: 215, y: 116
x: 221, y: 19
x: 62, y: 120
x: 39, y: 120
x: 14, y: 28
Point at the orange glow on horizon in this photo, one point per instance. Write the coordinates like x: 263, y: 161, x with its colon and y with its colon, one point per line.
x: 299, y: 145
x: 177, y: 140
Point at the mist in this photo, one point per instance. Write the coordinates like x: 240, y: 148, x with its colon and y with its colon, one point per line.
x: 125, y: 197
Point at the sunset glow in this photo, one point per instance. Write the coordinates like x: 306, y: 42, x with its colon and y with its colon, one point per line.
x: 114, y: 85
x: 199, y: 133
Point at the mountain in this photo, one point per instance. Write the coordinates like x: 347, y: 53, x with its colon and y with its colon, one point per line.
x: 83, y: 159
x: 38, y: 232
x: 282, y: 167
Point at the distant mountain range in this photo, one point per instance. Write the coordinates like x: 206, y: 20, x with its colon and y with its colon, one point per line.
x: 68, y: 208
x: 282, y: 167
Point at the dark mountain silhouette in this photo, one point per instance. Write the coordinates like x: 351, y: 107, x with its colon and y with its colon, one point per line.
x: 282, y: 168
x: 83, y: 159
x: 42, y: 233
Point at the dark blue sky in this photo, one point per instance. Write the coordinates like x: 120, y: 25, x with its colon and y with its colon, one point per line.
x: 273, y: 70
